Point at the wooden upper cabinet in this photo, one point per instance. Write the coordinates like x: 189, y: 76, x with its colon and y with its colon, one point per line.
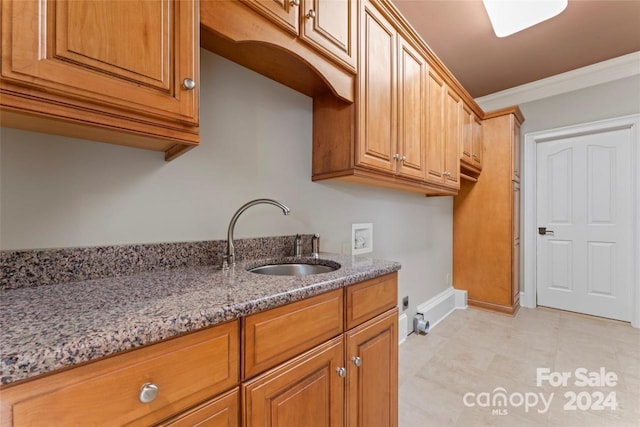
x: 452, y: 133
x: 284, y: 13
x: 466, y: 140
x: 377, y: 97
x: 330, y: 26
x: 118, y: 59
x: 435, y: 123
x: 327, y: 25
x: 412, y: 95
x: 471, y: 142
x: 477, y: 147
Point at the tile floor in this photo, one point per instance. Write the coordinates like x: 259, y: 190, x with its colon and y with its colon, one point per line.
x: 476, y: 352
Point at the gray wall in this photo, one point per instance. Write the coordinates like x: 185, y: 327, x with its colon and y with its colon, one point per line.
x: 604, y: 101
x: 256, y: 142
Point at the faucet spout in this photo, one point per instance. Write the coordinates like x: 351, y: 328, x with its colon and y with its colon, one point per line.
x: 230, y: 257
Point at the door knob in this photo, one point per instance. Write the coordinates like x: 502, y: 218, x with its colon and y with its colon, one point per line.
x: 543, y: 231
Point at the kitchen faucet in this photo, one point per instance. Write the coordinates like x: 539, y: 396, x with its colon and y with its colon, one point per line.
x: 230, y: 257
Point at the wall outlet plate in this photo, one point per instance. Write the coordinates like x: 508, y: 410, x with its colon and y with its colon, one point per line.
x: 405, y: 303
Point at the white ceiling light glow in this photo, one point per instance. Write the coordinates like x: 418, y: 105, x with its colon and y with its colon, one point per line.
x: 510, y: 16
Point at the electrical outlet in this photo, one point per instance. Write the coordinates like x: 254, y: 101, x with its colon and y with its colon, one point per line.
x: 405, y: 303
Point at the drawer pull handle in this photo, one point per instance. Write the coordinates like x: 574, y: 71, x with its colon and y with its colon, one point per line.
x: 311, y: 14
x: 148, y: 392
x: 342, y: 372
x: 356, y: 361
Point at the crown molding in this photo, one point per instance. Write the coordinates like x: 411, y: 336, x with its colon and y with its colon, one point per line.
x: 591, y: 75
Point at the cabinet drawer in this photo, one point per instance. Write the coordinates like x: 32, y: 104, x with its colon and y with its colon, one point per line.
x: 273, y: 336
x: 223, y: 411
x: 368, y: 299
x: 186, y: 370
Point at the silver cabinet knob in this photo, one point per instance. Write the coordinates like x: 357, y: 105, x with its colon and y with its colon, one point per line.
x: 447, y: 173
x: 294, y: 2
x: 342, y: 372
x: 396, y: 156
x: 403, y: 158
x: 188, y: 84
x: 356, y: 361
x: 148, y: 392
x: 475, y: 156
x: 311, y: 14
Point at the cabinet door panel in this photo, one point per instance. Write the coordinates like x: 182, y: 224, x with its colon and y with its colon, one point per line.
x: 452, y: 140
x: 281, y: 12
x: 411, y: 110
x: 129, y: 54
x: 377, y: 92
x: 333, y: 29
x: 435, y: 127
x: 305, y: 391
x: 516, y: 150
x: 466, y: 137
x: 372, y: 397
x: 478, y: 146
x: 222, y: 411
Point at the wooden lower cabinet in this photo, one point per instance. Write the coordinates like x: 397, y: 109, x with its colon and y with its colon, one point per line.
x: 306, y: 391
x: 372, y: 372
x: 326, y: 361
x: 223, y: 411
x: 186, y: 371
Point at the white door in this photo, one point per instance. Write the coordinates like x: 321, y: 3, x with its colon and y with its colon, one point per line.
x: 584, y: 197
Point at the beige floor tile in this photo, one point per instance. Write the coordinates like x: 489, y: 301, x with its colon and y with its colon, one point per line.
x: 478, y: 351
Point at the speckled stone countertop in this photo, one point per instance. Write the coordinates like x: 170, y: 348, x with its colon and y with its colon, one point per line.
x: 50, y: 327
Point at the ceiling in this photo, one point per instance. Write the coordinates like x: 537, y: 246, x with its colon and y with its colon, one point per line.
x: 460, y: 34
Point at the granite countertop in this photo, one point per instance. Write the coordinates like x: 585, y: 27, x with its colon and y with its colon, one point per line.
x: 50, y: 327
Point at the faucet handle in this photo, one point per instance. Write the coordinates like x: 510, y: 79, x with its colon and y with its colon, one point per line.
x: 315, y: 245
x: 297, y: 246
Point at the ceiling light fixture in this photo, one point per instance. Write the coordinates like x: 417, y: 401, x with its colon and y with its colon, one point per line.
x: 510, y: 16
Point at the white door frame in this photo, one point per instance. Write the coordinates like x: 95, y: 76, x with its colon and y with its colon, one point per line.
x: 529, y: 223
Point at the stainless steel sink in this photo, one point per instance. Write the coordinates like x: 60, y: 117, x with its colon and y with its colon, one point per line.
x: 294, y: 269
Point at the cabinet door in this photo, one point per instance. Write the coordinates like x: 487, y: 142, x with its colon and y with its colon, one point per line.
x: 283, y: 13
x: 466, y: 140
x: 330, y: 26
x: 515, y: 257
x: 132, y: 54
x: 477, y: 145
x: 412, y: 70
x: 377, y: 98
x: 306, y: 391
x: 222, y: 411
x: 372, y: 372
x: 435, y: 129
x: 452, y: 132
x: 516, y: 149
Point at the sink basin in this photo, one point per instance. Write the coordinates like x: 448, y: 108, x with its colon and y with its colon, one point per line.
x: 294, y: 269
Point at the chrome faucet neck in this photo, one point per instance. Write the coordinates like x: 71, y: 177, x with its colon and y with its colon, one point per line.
x: 230, y: 257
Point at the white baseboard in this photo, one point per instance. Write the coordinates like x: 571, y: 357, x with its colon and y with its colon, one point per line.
x: 442, y: 305
x: 403, y: 327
